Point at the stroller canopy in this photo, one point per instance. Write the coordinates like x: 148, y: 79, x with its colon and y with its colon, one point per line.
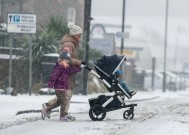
x: 109, y: 64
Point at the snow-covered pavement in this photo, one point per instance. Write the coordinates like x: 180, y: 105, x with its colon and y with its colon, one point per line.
x: 167, y: 114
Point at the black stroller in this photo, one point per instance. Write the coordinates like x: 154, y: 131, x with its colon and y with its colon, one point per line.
x: 105, y: 68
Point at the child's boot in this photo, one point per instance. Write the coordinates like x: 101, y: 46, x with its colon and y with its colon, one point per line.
x: 133, y: 93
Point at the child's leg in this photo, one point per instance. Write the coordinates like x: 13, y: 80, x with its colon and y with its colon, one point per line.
x: 52, y: 101
x: 123, y: 84
x: 63, y: 104
x: 57, y: 103
x: 68, y: 98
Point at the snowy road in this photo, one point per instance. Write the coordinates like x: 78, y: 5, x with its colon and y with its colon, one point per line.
x: 167, y: 115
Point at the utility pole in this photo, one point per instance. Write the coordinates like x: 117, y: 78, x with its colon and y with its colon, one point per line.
x: 123, y: 26
x: 21, y: 5
x: 1, y: 8
x: 153, y: 72
x: 165, y: 46
x: 10, y: 63
x: 30, y: 64
x: 87, y: 19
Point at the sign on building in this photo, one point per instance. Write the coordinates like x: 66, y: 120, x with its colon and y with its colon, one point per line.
x: 105, y: 45
x: 127, y: 53
x: 122, y: 34
x: 21, y: 23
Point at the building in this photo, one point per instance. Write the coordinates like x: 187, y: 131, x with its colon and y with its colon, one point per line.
x: 69, y: 10
x: 72, y: 10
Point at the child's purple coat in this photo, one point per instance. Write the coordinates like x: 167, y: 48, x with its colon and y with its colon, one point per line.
x: 59, y: 76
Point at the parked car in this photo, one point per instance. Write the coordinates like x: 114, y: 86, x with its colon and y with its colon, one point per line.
x: 2, y: 91
x: 46, y: 91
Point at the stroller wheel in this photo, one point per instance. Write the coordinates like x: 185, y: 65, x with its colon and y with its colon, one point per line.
x: 128, y: 114
x: 96, y: 113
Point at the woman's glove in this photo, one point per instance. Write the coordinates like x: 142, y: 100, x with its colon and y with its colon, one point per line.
x: 83, y: 62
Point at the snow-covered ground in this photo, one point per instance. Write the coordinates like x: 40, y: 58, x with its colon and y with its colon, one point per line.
x: 157, y: 113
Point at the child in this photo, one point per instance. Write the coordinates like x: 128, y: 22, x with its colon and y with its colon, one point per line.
x: 59, y: 81
x: 118, y: 75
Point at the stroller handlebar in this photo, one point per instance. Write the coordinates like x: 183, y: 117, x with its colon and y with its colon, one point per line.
x: 89, y: 69
x: 92, y: 71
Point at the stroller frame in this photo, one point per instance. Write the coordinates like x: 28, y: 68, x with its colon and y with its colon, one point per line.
x: 102, y: 104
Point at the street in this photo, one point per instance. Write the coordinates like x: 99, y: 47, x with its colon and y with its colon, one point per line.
x: 161, y: 116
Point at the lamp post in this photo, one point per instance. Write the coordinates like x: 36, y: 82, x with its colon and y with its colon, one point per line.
x: 123, y: 26
x: 165, y: 46
x: 87, y: 19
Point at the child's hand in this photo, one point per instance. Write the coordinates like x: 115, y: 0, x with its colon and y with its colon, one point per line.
x: 66, y: 65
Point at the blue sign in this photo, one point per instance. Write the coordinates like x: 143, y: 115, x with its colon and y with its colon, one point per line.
x: 16, y: 18
x: 21, y: 23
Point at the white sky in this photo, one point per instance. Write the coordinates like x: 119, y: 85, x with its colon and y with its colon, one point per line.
x: 140, y: 7
x: 146, y: 15
x: 147, y: 18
